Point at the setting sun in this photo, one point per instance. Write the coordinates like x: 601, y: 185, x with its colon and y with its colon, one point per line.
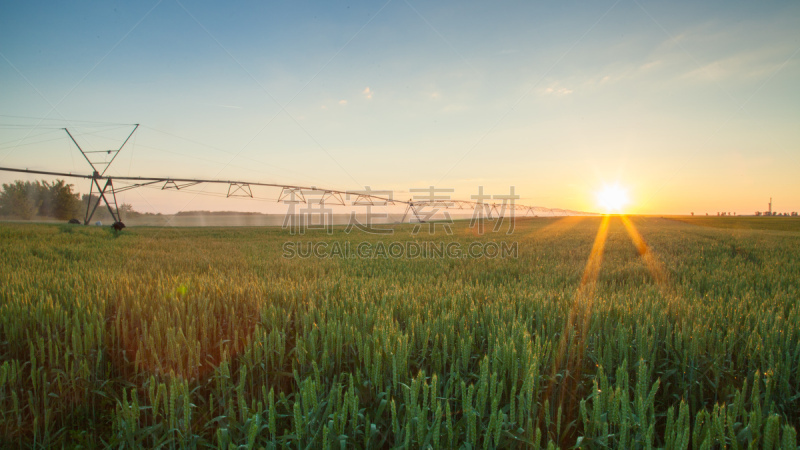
x: 613, y: 198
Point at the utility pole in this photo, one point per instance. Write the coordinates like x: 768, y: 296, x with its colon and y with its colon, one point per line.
x: 770, y: 206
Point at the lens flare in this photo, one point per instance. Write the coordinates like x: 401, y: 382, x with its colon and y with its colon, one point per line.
x: 613, y: 198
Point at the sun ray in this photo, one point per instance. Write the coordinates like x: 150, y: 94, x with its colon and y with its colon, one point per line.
x: 592, y: 270
x: 579, y: 315
x: 558, y: 226
x: 653, y: 265
x: 655, y: 268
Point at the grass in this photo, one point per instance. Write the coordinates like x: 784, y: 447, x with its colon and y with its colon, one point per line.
x: 788, y: 223
x: 209, y: 338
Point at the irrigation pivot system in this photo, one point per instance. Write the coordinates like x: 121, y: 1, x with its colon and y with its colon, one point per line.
x: 107, y: 192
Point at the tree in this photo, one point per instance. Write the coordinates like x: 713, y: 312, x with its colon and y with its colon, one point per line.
x: 126, y: 211
x: 21, y: 199
x: 61, y: 201
x: 101, y: 213
x: 26, y: 199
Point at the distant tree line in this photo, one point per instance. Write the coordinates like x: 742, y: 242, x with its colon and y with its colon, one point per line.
x: 31, y: 199
x: 218, y: 213
x: 767, y: 213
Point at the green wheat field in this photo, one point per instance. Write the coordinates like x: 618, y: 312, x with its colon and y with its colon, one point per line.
x: 210, y: 338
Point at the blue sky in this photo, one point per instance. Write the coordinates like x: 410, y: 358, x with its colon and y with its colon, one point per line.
x: 690, y: 107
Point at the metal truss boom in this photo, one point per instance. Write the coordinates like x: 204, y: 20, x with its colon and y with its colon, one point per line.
x: 297, y: 194
x: 289, y: 194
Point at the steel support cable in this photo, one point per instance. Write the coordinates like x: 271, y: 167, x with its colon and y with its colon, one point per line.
x: 9, y: 143
x: 206, y: 193
x: 189, y: 155
x: 71, y: 121
x: 224, y: 151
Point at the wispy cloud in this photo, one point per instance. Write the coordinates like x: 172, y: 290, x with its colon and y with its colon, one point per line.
x: 650, y: 65
x: 367, y: 93
x: 342, y: 102
x: 555, y: 89
x: 743, y: 66
x: 455, y: 107
x: 714, y: 51
x: 216, y: 105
